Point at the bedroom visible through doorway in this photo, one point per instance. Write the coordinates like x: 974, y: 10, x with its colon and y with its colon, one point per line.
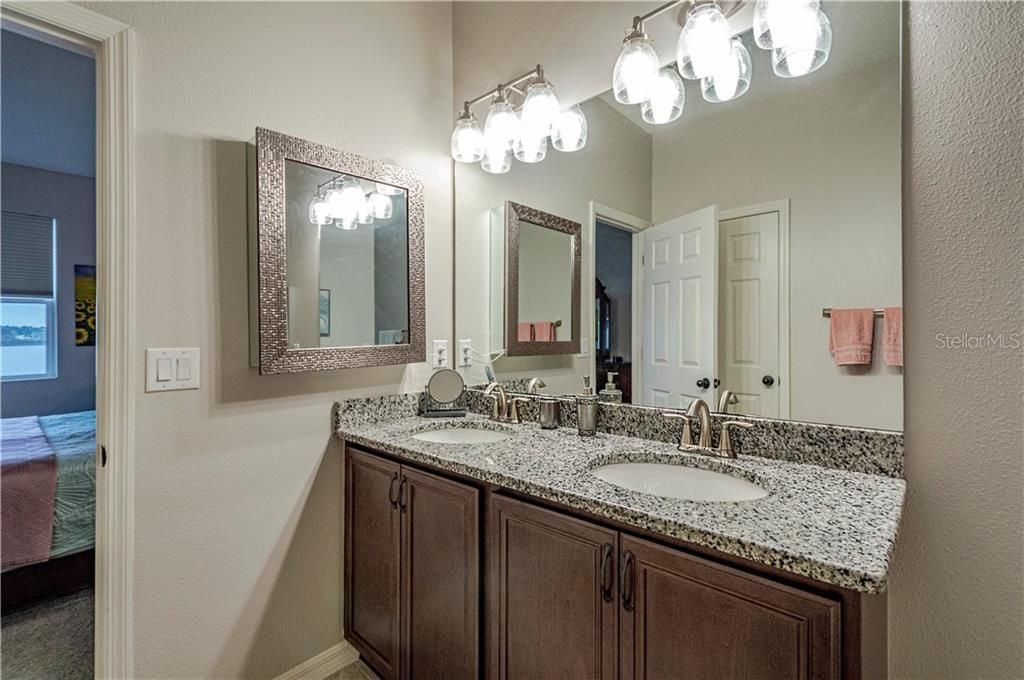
x: 48, y: 340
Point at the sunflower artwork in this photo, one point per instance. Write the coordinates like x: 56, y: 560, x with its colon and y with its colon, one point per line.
x: 85, y: 305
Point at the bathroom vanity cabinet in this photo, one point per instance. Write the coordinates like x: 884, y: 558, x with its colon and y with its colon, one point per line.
x: 412, y: 565
x: 562, y: 596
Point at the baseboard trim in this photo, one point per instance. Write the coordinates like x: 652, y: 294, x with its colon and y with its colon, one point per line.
x: 324, y: 664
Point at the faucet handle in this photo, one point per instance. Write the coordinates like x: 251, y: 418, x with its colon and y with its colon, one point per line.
x: 725, y: 446
x: 494, y: 405
x: 686, y: 441
x: 513, y: 409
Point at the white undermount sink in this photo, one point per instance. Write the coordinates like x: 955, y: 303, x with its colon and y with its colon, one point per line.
x: 461, y: 435
x: 679, y: 481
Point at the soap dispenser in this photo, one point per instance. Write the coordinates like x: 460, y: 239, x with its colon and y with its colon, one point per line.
x: 586, y: 410
x: 611, y: 393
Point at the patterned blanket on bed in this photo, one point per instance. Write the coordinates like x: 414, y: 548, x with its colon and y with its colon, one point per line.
x: 56, y: 511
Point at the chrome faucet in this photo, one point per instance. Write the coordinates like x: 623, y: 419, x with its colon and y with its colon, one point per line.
x: 699, y: 409
x: 499, y: 410
x: 728, y: 399
x: 536, y: 384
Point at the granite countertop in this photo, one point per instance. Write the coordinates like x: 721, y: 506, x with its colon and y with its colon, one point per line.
x: 830, y: 525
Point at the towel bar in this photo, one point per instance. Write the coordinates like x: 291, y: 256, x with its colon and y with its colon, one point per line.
x: 827, y: 312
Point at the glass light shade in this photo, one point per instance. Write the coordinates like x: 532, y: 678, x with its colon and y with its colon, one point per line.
x: 531, y: 148
x: 497, y: 159
x: 570, y: 133
x: 467, y: 140
x: 778, y: 22
x: 365, y: 214
x: 389, y: 190
x: 704, y: 42
x: 635, y: 70
x: 732, y: 79
x: 501, y: 127
x: 319, y: 212
x: 799, y: 58
x: 382, y: 207
x: 346, y: 201
x: 667, y: 98
x: 346, y: 223
x: 540, y: 109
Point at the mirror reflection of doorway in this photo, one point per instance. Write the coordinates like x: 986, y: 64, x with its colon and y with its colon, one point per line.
x: 613, y: 306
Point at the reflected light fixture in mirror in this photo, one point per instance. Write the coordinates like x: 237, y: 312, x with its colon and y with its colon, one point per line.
x: 524, y: 131
x: 797, y: 32
x: 344, y: 202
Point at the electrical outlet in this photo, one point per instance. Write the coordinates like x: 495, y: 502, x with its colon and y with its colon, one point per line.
x: 440, y: 355
x: 465, y: 353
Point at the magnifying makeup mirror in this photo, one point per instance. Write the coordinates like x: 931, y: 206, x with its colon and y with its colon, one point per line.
x: 440, y: 394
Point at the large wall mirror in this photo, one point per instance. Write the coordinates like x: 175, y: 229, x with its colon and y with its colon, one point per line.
x: 338, y: 246
x: 713, y: 245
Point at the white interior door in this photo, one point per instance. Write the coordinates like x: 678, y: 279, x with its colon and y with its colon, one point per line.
x: 679, y: 314
x: 749, y: 324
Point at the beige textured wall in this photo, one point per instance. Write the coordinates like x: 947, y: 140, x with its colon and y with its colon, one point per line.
x: 956, y: 606
x: 238, y: 484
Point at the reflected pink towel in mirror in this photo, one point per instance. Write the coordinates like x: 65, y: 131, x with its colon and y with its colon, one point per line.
x: 525, y: 332
x: 545, y: 331
x: 892, y: 336
x: 851, y: 335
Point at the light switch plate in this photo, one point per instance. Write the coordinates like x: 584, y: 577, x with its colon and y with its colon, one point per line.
x: 440, y: 357
x: 169, y: 369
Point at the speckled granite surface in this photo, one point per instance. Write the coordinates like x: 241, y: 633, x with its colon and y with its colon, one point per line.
x: 834, y: 526
x: 875, y: 452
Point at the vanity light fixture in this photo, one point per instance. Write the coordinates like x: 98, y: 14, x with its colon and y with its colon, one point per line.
x: 636, y: 68
x: 344, y: 202
x: 797, y: 33
x: 522, y: 131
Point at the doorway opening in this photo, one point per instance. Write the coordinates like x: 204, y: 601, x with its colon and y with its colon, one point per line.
x: 48, y: 353
x: 613, y: 307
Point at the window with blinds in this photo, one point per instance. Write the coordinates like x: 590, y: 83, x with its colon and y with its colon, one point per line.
x: 28, y: 323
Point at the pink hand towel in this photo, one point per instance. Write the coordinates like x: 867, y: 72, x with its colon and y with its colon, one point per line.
x: 850, y: 336
x: 892, y: 336
x: 525, y: 332
x: 545, y: 331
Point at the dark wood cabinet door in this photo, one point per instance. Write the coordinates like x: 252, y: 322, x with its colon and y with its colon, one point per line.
x: 372, y: 558
x: 440, y: 578
x: 686, y: 617
x: 552, y: 595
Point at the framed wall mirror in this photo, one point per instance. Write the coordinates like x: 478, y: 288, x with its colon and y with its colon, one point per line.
x: 538, y: 307
x: 336, y: 259
x: 713, y: 243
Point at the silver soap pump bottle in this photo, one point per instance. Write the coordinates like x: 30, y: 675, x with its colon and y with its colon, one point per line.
x: 586, y: 410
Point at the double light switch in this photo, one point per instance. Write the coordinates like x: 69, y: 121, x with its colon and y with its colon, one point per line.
x: 172, y: 369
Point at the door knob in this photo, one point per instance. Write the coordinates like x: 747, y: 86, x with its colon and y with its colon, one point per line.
x: 703, y: 383
x: 767, y: 381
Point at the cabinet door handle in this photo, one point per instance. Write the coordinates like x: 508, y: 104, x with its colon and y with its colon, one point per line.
x: 628, y: 577
x: 392, y: 497
x: 606, y: 572
x: 401, y: 492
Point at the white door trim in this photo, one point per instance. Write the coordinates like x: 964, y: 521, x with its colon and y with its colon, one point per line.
x: 628, y: 223
x: 113, y: 43
x: 782, y: 208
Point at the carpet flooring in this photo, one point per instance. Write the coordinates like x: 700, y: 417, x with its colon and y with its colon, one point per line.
x: 53, y: 639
